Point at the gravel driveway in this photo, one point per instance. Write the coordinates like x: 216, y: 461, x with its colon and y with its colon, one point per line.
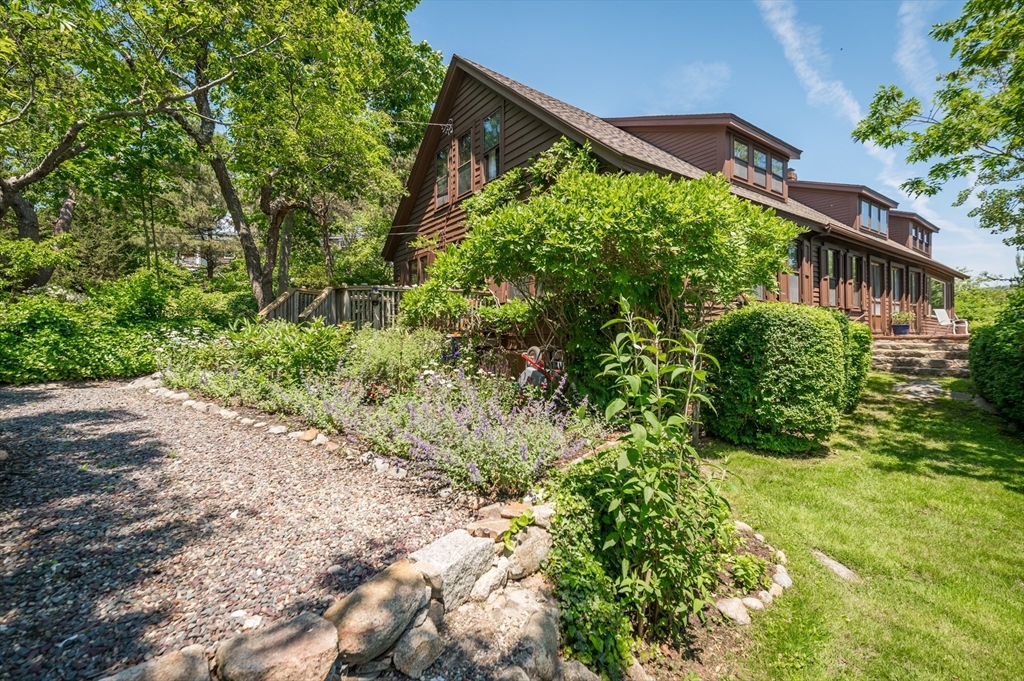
x: 130, y: 526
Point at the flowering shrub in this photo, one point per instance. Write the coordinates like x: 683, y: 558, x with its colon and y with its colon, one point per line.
x: 461, y: 429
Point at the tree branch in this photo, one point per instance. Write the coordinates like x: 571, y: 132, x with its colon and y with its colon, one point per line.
x: 31, y: 98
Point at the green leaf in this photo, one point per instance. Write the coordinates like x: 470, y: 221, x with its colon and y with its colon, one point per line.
x: 613, y: 408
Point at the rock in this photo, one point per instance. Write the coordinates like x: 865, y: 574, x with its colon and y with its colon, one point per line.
x: 765, y: 597
x: 432, y: 576
x: 734, y: 609
x: 277, y: 430
x: 532, y: 550
x: 490, y: 581
x: 636, y: 672
x: 961, y: 397
x: 785, y: 581
x: 295, y: 434
x: 252, y: 622
x: 309, y: 435
x: 334, y: 569
x: 380, y: 466
x: 435, y: 611
x: 371, y: 618
x: 227, y: 414
x: 303, y: 648
x: 781, y: 557
x: 759, y: 537
x: 514, y: 510
x: 775, y: 590
x: 213, y: 408
x: 188, y: 403
x: 492, y: 529
x: 461, y: 559
x: 538, y: 646
x: 188, y: 664
x: 200, y: 406
x: 397, y: 472
x: 417, y: 649
x: 3, y: 454
x: 319, y: 440
x: 743, y: 527
x: 542, y: 516
x: 490, y: 512
x: 332, y: 446
x: 375, y: 667
x: 178, y: 397
x: 512, y: 673
x: 984, y: 405
x: 574, y: 670
x: 835, y: 566
x: 752, y: 603
x: 247, y: 421
x: 781, y: 570
x: 260, y: 424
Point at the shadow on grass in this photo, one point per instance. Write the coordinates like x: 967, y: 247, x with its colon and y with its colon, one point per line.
x: 940, y: 437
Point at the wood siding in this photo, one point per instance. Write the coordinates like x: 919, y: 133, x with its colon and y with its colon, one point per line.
x: 841, y: 206
x: 703, y: 149
x: 522, y: 136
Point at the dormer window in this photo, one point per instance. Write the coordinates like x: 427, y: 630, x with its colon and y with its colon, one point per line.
x: 874, y: 217
x: 760, y: 168
x: 740, y: 159
x: 778, y: 172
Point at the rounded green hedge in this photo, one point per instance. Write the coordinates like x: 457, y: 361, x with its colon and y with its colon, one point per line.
x: 786, y: 373
x: 997, y: 359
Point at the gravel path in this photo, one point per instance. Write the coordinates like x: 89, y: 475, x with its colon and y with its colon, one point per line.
x: 131, y: 526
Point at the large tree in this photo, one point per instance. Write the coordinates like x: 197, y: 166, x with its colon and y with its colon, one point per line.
x: 973, y: 128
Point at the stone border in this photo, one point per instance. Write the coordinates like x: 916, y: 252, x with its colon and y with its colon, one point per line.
x: 737, y: 608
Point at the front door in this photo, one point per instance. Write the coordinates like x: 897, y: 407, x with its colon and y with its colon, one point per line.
x: 877, y: 289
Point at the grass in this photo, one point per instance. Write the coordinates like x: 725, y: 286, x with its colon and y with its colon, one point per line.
x: 925, y: 501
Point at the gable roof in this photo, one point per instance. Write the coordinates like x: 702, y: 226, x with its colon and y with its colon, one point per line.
x: 842, y: 187
x: 618, y: 147
x: 727, y: 120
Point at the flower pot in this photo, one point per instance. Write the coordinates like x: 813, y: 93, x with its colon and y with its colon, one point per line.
x: 900, y: 329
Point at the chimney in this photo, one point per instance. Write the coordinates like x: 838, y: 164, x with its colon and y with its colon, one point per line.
x: 791, y: 175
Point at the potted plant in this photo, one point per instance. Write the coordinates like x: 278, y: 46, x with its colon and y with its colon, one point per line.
x: 901, y: 322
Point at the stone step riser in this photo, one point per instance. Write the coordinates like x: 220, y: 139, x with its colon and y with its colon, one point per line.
x: 921, y: 353
x: 923, y: 364
x: 920, y: 346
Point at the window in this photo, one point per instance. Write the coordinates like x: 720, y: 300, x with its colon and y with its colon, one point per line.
x: 759, y: 291
x: 794, y: 278
x: 833, y: 277
x: 441, y: 181
x: 857, y: 275
x: 740, y: 159
x: 423, y: 268
x: 937, y: 297
x: 414, y: 273
x: 896, y: 275
x: 465, y: 163
x: 876, y: 289
x: 874, y: 217
x: 914, y: 286
x: 492, y: 141
x: 778, y: 173
x: 760, y: 168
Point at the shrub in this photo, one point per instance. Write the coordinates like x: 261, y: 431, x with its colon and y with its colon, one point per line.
x: 858, y: 363
x: 750, y: 572
x: 781, y: 384
x: 997, y: 359
x: 389, y: 361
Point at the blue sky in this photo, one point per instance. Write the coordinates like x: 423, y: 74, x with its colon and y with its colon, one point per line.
x: 804, y: 71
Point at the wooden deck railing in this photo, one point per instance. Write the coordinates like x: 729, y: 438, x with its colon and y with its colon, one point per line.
x: 358, y: 305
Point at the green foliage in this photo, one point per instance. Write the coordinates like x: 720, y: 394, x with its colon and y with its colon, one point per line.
x: 997, y: 358
x: 432, y: 305
x: 858, y: 363
x: 513, y: 316
x: 972, y: 128
x: 582, y: 239
x: 979, y: 299
x: 389, y: 361
x: 518, y: 524
x: 750, y: 572
x: 22, y: 258
x: 781, y: 384
x: 903, y: 317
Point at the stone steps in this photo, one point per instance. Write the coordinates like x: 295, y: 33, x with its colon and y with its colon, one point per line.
x: 936, y: 358
x: 929, y: 354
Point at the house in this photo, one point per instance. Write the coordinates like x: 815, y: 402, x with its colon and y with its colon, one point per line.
x: 858, y: 253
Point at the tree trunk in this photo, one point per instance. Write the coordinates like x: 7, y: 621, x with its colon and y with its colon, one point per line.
x: 286, y: 253
x: 328, y: 256
x: 259, y: 276
x: 28, y: 221
x: 64, y: 216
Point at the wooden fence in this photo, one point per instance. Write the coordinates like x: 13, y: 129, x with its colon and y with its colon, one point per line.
x: 357, y: 305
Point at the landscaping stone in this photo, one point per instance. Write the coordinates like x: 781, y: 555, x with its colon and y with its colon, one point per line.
x: 512, y: 673
x: 514, y: 509
x: 759, y: 537
x: 3, y: 454
x: 381, y: 466
x: 734, y: 609
x: 835, y: 566
x: 538, y: 646
x: 200, y: 406
x: 781, y: 570
x: 247, y: 421
x: 775, y: 590
x: 417, y: 649
x: 179, y: 397
x: 188, y: 403
x: 920, y: 390
x: 752, y: 603
x: 636, y: 672
x: 542, y: 515
x: 303, y: 648
x: 492, y: 529
x: 574, y: 670
x: 781, y: 557
x: 532, y: 550
x: 461, y: 559
x: 984, y: 405
x: 277, y: 430
x: 491, y: 512
x: 765, y: 597
x: 319, y: 440
x: 188, y: 664
x: 309, y: 435
x: 783, y: 580
x: 371, y: 618
x: 490, y: 581
x: 332, y: 446
x: 961, y: 397
x: 260, y: 424
x: 435, y: 611
x: 432, y: 576
x: 743, y: 527
x: 227, y: 414
x: 213, y: 408
x: 295, y: 434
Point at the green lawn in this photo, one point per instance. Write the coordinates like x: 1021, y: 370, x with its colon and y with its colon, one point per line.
x: 925, y: 501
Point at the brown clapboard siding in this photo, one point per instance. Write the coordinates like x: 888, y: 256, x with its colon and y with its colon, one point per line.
x: 702, y: 149
x: 838, y: 205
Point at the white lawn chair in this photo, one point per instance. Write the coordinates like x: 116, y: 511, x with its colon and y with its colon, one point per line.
x: 942, y: 317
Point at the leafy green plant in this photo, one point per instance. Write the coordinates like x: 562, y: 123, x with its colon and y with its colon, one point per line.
x: 997, y: 358
x: 389, y: 361
x: 903, y: 317
x: 518, y: 524
x: 750, y: 572
x: 781, y: 384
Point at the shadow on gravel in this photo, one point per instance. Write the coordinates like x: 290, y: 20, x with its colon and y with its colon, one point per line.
x: 74, y: 538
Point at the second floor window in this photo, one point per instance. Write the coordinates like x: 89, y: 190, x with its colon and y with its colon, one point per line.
x: 441, y: 182
x: 778, y: 173
x: 465, y: 175
x: 874, y: 217
x: 760, y: 168
x: 740, y: 159
x: 492, y: 143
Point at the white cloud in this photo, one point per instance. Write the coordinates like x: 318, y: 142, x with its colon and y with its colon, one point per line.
x: 913, y: 54
x: 693, y: 87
